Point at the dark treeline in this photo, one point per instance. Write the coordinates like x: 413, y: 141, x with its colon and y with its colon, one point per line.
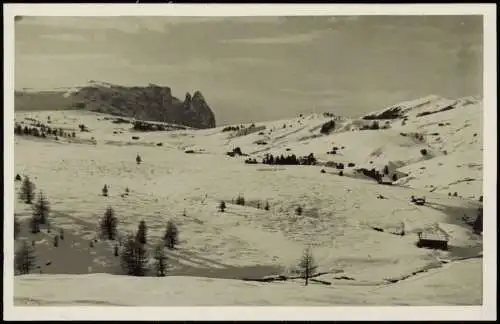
x: 41, y: 130
x: 289, y: 159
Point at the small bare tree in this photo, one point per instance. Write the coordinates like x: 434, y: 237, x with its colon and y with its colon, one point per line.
x: 307, y: 266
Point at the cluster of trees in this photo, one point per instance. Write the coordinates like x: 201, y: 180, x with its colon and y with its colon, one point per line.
x: 41, y: 207
x: 24, y: 259
x: 373, y: 126
x: 148, y: 127
x: 236, y: 151
x: 327, y: 127
x: 240, y: 200
x: 251, y: 161
x: 289, y: 160
x: 41, y: 131
x: 231, y: 128
x: 83, y: 128
x: 134, y: 257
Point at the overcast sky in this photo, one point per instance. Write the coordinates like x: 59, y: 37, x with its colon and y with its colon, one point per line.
x: 258, y: 68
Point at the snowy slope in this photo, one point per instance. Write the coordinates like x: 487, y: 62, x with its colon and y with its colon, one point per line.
x: 339, y: 212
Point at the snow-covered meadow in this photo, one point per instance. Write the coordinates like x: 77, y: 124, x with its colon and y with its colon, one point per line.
x: 363, y: 265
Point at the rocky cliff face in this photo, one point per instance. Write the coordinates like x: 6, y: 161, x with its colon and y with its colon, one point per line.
x: 148, y: 103
x: 152, y: 102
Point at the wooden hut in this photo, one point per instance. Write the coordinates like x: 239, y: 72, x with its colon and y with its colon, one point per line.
x: 435, y: 238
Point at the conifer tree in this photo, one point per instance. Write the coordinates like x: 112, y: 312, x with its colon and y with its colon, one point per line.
x: 56, y: 241
x: 171, y: 237
x: 222, y: 206
x: 160, y: 261
x: 17, y: 227
x: 142, y: 230
x: 134, y: 257
x: 41, y: 209
x: 105, y: 190
x: 27, y: 193
x: 24, y: 259
x: 108, y: 224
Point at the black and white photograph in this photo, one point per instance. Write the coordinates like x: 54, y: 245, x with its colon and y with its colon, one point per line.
x: 242, y: 157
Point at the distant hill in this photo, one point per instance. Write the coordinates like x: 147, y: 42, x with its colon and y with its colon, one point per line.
x: 152, y: 102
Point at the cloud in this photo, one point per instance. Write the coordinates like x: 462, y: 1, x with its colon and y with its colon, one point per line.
x: 133, y: 25
x: 284, y: 39
x: 67, y: 37
x: 130, y: 25
x: 68, y: 57
x: 321, y: 92
x: 337, y: 19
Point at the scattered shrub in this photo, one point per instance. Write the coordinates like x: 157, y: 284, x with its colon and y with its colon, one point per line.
x: 18, y: 177
x: 56, y: 241
x: 323, y: 171
x: 351, y: 165
x: 298, y: 210
x: 266, y: 206
x: 394, y: 177
x: 138, y: 159
x: 423, y: 152
x: 341, y: 173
